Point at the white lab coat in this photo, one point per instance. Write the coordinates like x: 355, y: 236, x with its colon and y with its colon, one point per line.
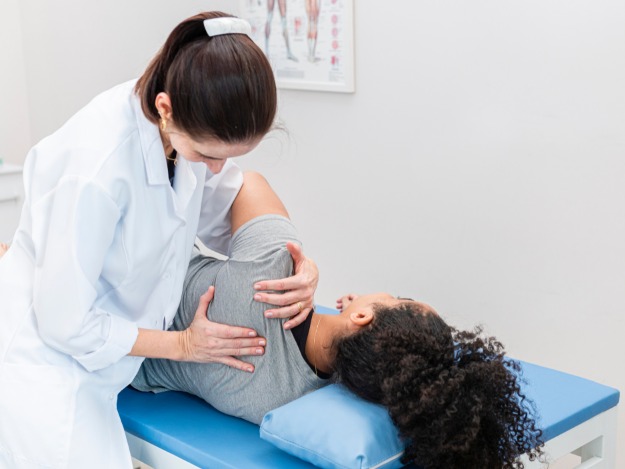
x: 102, y: 249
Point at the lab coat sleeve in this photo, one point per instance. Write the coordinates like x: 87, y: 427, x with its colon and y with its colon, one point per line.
x: 74, y: 225
x: 220, y: 190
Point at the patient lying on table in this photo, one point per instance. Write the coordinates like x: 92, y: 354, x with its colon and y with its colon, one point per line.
x: 450, y: 393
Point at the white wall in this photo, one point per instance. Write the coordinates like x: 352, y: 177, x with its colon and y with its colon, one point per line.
x: 479, y: 165
x: 75, y: 49
x: 14, y: 123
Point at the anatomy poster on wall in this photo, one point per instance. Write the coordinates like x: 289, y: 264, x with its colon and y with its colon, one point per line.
x: 310, y: 43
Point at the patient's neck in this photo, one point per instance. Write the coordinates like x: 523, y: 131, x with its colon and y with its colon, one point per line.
x: 323, y: 329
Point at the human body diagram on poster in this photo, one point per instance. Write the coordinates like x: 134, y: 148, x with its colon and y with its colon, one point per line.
x: 309, y: 42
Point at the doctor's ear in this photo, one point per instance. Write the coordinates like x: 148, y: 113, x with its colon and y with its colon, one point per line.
x: 163, y: 105
x: 361, y: 318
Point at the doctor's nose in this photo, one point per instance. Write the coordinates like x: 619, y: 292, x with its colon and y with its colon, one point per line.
x: 215, y: 167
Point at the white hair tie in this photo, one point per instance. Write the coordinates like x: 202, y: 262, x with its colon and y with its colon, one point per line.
x: 219, y: 26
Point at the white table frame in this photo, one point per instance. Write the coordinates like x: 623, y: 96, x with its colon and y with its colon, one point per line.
x: 593, y: 440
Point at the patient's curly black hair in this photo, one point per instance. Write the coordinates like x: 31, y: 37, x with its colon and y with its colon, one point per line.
x: 453, y: 396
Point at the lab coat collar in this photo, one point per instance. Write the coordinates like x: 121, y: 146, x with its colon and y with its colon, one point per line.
x: 151, y: 145
x: 187, y: 173
x: 185, y: 182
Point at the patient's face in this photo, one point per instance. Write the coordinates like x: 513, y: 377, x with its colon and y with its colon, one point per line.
x: 366, y: 303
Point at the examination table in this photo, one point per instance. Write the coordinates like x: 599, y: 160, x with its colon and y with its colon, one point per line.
x: 174, y: 430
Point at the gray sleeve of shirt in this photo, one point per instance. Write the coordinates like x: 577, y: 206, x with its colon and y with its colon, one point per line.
x: 281, y: 375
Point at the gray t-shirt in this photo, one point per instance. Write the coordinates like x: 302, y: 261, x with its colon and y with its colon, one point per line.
x: 281, y: 374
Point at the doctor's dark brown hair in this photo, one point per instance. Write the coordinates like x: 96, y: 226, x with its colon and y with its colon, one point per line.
x: 454, y: 397
x: 220, y: 87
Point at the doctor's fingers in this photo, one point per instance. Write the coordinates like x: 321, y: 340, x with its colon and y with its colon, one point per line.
x: 299, y: 284
x: 298, y: 318
x: 238, y: 364
x: 295, y: 313
x: 292, y: 308
x: 202, y: 307
x: 213, y: 347
x: 224, y: 331
x: 292, y: 297
x: 213, y: 350
x: 306, y: 278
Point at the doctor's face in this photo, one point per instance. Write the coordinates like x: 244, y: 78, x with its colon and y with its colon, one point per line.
x: 212, y: 152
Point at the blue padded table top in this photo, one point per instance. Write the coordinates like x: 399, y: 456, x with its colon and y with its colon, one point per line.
x: 191, y: 429
x: 564, y: 401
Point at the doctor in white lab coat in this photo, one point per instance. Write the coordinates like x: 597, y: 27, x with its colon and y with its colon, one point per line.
x: 114, y: 201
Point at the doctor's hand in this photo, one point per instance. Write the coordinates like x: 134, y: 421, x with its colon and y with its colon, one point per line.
x: 205, y: 341
x: 297, y: 298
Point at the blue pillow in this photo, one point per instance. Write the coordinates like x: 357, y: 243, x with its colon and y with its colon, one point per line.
x: 333, y: 428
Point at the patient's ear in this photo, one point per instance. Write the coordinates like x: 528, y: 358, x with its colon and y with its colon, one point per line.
x: 361, y: 318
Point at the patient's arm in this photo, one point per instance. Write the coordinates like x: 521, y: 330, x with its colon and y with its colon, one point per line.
x: 257, y: 198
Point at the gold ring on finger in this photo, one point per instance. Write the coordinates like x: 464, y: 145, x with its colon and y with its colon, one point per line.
x: 300, y: 306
